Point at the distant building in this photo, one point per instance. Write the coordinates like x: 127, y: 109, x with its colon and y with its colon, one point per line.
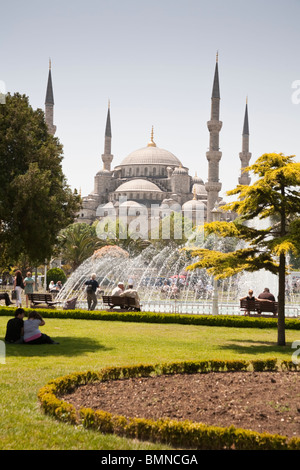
x: 152, y: 179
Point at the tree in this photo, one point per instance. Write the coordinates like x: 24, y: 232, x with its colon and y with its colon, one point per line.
x: 55, y: 274
x: 77, y: 243
x: 274, y: 196
x: 35, y: 200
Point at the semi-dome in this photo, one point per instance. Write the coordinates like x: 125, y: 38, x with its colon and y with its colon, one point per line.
x: 193, y: 204
x: 199, y: 189
x: 138, y: 185
x: 151, y: 155
x: 133, y: 204
x: 179, y: 171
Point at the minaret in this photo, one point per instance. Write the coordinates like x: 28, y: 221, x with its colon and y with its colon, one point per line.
x: 107, y: 156
x: 245, y: 155
x: 49, y: 104
x: 213, y: 186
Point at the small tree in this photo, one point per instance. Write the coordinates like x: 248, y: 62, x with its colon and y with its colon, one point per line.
x: 56, y: 274
x: 274, y: 196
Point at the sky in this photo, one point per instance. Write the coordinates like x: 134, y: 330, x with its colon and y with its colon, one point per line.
x: 155, y: 60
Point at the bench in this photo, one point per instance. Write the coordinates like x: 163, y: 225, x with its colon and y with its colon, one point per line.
x: 37, y: 299
x: 259, y: 306
x: 126, y: 303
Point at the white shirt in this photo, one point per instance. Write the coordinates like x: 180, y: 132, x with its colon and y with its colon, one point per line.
x: 117, y: 291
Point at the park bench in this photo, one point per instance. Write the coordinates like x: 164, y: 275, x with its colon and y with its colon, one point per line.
x: 259, y: 306
x: 38, y: 300
x: 126, y: 303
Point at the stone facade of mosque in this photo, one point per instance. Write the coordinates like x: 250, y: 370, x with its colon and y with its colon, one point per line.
x: 152, y: 181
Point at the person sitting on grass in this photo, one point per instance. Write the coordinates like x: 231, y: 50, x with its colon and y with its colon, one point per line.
x: 15, y: 328
x: 32, y: 334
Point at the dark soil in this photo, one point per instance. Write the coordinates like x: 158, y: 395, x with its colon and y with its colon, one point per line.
x: 258, y: 401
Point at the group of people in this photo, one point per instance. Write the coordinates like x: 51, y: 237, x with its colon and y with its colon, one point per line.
x: 20, y: 284
x: 129, y: 292
x: 19, y: 331
x: 54, y: 288
x: 265, y: 295
x: 92, y: 287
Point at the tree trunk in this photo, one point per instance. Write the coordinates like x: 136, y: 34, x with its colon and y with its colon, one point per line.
x: 281, y: 278
x: 281, y: 302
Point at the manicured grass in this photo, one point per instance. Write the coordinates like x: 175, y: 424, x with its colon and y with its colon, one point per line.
x: 91, y: 345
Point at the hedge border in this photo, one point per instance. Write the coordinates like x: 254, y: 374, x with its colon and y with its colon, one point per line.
x: 150, y: 317
x: 180, y: 434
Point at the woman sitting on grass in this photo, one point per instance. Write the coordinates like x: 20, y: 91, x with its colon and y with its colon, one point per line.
x: 32, y: 334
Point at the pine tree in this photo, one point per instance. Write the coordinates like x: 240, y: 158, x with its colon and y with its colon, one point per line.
x: 273, y: 197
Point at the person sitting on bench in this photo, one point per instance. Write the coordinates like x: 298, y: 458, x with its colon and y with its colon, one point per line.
x: 131, y: 292
x: 5, y: 296
x: 119, y: 289
x: 249, y: 297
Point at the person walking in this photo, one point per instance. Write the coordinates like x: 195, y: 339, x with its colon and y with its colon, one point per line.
x: 18, y: 287
x: 91, y: 289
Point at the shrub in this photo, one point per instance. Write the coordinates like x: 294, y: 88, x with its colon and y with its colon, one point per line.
x: 56, y: 274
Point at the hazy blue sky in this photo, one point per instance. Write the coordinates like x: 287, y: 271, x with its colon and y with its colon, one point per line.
x: 155, y: 61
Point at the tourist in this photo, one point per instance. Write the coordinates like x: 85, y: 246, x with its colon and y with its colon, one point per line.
x: 174, y: 291
x: 131, y: 292
x: 249, y: 297
x: 266, y: 295
x: 18, y: 287
x: 28, y: 283
x: 51, y: 286
x: 5, y: 296
x: 91, y: 289
x: 119, y: 289
x: 165, y: 288
x: 32, y: 334
x: 15, y: 328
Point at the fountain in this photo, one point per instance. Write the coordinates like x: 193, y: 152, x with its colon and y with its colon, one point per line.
x: 163, y: 283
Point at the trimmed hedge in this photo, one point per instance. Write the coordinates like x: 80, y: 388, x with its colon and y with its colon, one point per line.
x: 150, y: 317
x: 180, y: 434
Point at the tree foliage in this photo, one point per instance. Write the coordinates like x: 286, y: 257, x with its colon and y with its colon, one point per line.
x: 273, y: 198
x: 35, y: 199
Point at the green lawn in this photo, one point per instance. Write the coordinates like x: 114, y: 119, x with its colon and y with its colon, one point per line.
x: 91, y: 345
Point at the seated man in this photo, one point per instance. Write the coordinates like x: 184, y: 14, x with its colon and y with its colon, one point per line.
x: 5, y: 296
x: 131, y: 292
x: 15, y: 328
x: 266, y: 295
x: 119, y: 289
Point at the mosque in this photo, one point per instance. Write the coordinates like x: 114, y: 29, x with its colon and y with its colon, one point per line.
x: 152, y: 177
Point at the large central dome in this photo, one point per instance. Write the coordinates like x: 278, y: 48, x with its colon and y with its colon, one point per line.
x: 151, y: 156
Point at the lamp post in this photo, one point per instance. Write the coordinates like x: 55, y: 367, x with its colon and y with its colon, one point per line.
x: 216, y: 216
